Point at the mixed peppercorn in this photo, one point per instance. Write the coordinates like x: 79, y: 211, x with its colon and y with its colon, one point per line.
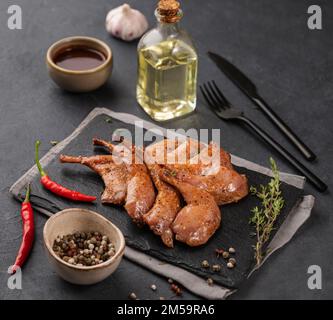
x: 84, y: 248
x: 177, y: 290
x: 225, y: 254
x: 174, y: 288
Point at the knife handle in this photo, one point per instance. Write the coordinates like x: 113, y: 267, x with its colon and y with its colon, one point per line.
x: 297, y: 142
x: 311, y: 177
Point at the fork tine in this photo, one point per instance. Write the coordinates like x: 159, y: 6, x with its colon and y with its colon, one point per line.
x: 220, y: 101
x: 208, y: 96
x: 222, y: 97
x: 211, y: 104
x: 211, y: 96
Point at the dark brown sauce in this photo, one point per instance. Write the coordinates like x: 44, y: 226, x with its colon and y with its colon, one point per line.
x: 79, y: 59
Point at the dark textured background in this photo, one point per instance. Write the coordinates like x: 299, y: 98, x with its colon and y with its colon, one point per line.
x: 293, y: 68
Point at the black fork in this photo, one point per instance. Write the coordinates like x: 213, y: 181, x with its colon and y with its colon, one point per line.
x: 226, y: 111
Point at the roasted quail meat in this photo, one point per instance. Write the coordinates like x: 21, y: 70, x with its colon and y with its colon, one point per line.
x: 114, y: 175
x: 226, y: 185
x: 199, y: 219
x: 140, y: 190
x: 167, y: 204
x: 124, y: 181
x: 210, y: 169
x: 199, y: 173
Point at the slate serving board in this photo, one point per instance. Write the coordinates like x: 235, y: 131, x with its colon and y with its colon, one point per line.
x: 235, y: 230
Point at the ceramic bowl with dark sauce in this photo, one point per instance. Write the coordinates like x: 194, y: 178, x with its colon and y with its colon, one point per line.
x: 79, y: 64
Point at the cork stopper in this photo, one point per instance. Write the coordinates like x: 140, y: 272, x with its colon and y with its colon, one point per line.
x: 169, y: 11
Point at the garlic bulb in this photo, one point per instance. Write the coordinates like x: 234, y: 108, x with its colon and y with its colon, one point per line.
x: 126, y: 23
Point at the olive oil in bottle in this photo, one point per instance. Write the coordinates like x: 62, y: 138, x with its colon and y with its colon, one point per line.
x: 167, y: 67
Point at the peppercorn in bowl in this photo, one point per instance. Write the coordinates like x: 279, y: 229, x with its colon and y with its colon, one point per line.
x: 82, y: 246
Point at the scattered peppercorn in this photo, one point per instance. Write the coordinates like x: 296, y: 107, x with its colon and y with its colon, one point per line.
x: 132, y: 296
x: 79, y: 248
x: 232, y: 250
x: 219, y: 252
x: 216, y: 267
x: 54, y: 142
x: 210, y: 281
x: 153, y: 287
x: 232, y: 260
x: 225, y: 255
x: 205, y: 264
x: 230, y: 265
x: 176, y: 289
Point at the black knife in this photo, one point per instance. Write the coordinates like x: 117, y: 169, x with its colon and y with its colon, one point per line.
x: 249, y: 88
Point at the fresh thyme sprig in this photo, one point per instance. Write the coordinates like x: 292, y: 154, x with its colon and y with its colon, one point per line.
x: 266, y: 214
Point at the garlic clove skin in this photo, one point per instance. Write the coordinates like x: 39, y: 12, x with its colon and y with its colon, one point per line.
x: 126, y: 23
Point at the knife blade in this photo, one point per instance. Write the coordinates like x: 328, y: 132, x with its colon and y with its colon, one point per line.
x: 235, y: 75
x: 251, y: 91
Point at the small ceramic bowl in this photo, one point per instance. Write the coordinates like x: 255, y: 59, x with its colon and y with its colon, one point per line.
x: 79, y: 80
x: 71, y: 220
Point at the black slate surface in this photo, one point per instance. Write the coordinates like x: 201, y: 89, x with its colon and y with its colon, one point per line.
x: 291, y: 65
x: 234, y: 232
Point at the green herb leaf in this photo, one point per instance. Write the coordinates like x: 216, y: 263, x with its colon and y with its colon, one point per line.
x: 265, y: 216
x: 173, y: 173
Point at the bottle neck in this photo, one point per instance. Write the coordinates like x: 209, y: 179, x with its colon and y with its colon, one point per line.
x: 168, y: 28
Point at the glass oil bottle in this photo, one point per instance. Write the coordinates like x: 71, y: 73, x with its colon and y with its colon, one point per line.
x: 167, y: 67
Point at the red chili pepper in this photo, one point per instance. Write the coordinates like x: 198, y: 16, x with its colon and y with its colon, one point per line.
x: 57, y: 188
x: 28, y: 232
